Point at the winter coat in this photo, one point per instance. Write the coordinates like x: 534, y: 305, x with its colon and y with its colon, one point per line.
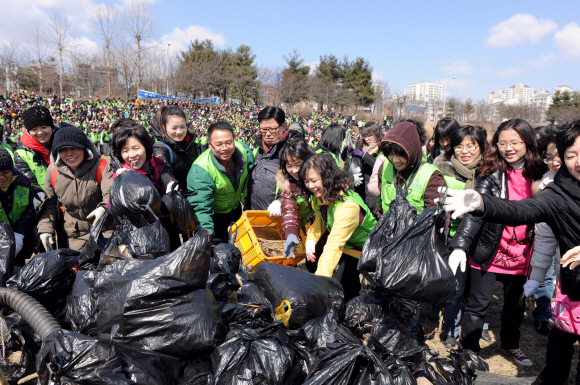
x: 262, y: 181
x: 559, y: 206
x: 477, y: 237
x: 368, y: 161
x: 294, y: 214
x: 80, y: 193
x: 27, y: 220
x: 178, y: 156
x: 28, y: 158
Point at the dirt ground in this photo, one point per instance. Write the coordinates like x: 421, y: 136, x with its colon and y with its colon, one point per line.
x: 531, y: 343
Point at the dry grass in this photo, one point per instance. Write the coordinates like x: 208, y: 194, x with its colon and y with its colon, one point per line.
x: 532, y: 343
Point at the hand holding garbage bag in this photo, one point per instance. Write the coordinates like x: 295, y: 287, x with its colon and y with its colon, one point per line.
x: 131, y: 194
x: 177, y: 213
x: 19, y: 242
x: 96, y: 214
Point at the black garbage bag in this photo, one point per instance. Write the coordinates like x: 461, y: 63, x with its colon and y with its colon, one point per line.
x: 364, y: 311
x: 7, y: 250
x: 348, y: 363
x: 261, y: 356
x: 18, y: 352
x: 466, y: 363
x: 96, y: 243
x: 48, y: 277
x: 147, y: 242
x: 391, y: 225
x: 177, y: 213
x: 222, y: 285
x: 155, y: 302
x: 414, y: 266
x: 400, y: 373
x: 197, y: 373
x: 246, y: 315
x: 76, y: 358
x: 310, y: 296
x: 81, y: 303
x: 131, y: 195
x: 326, y: 329
x: 225, y: 258
x: 389, y: 335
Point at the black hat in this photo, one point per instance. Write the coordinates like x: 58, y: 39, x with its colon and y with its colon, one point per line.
x: 37, y: 116
x: 6, y: 162
x: 69, y: 136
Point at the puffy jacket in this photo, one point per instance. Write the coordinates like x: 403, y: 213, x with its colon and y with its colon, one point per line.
x: 295, y: 211
x: 80, y: 193
x: 478, y: 238
x: 559, y: 206
x: 262, y: 181
x: 30, y: 161
x: 179, y: 156
x: 27, y: 220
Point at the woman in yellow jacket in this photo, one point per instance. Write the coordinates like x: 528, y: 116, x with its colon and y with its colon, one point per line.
x: 342, y: 225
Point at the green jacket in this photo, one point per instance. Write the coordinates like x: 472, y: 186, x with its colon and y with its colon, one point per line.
x: 416, y: 191
x: 321, y: 151
x: 360, y: 235
x: 217, y: 191
x: 20, y: 199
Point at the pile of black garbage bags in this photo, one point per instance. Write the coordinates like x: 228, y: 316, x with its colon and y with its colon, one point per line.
x: 134, y: 313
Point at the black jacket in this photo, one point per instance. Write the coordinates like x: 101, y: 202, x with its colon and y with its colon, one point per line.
x: 183, y: 155
x: 262, y: 181
x: 21, y: 165
x: 476, y: 237
x: 28, y: 220
x: 559, y: 206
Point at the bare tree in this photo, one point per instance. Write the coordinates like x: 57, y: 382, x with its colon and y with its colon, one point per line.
x: 10, y: 58
x: 125, y: 65
x: 39, y: 51
x: 61, y: 35
x: 106, y: 28
x: 141, y: 25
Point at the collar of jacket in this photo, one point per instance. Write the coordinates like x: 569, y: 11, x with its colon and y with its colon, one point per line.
x: 238, y: 159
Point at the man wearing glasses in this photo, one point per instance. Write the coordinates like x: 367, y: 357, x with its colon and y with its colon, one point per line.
x: 274, y: 134
x: 219, y: 176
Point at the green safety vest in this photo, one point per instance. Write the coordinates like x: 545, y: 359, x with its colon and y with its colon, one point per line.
x: 225, y: 198
x: 19, y: 203
x: 454, y: 184
x: 95, y: 137
x: 416, y: 191
x: 360, y: 235
x: 304, y: 210
x: 106, y: 137
x: 321, y: 151
x: 9, y: 149
x: 39, y: 170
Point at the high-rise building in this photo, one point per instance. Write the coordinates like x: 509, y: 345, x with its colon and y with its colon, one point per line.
x: 563, y: 89
x: 425, y: 91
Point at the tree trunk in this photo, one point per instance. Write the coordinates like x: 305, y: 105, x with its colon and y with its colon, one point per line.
x: 138, y: 64
x: 61, y: 72
x: 40, y: 78
x: 109, y: 69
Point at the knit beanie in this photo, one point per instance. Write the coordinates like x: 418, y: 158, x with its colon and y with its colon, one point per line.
x: 6, y: 162
x: 69, y: 136
x: 37, y: 116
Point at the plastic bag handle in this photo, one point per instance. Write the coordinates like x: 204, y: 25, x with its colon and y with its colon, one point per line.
x: 442, y: 196
x: 151, y: 211
x: 233, y: 236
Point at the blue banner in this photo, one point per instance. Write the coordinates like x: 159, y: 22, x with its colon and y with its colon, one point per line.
x: 152, y: 95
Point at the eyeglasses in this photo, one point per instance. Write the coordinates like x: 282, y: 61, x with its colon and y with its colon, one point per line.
x: 470, y: 147
x: 552, y: 160
x: 270, y: 130
x: 511, y: 144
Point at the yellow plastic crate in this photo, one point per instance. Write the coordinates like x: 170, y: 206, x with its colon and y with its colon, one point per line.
x: 254, y: 224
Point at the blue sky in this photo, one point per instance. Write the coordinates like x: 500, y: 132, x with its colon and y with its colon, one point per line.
x: 486, y: 45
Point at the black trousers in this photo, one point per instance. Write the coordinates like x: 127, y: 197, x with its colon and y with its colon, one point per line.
x: 480, y: 295
x: 346, y: 273
x: 221, y: 222
x: 559, y: 354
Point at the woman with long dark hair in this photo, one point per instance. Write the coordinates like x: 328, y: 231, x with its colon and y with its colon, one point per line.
x: 331, y: 142
x: 368, y: 150
x: 497, y: 252
x: 443, y: 131
x: 342, y: 214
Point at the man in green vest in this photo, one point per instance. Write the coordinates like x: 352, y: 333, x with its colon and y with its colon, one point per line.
x: 219, y: 177
x: 16, y: 206
x: 95, y: 137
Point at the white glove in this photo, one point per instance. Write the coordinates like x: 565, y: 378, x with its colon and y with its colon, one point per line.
x: 19, y: 241
x: 275, y: 208
x: 121, y: 170
x: 357, y: 178
x: 461, y: 202
x: 530, y: 287
x: 171, y: 186
x: 310, y: 250
x: 97, y: 214
x: 47, y: 240
x: 37, y: 202
x: 457, y: 258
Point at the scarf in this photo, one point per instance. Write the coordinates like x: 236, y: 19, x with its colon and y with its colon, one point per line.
x: 284, y: 136
x: 33, y: 144
x: 466, y: 171
x: 370, y: 147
